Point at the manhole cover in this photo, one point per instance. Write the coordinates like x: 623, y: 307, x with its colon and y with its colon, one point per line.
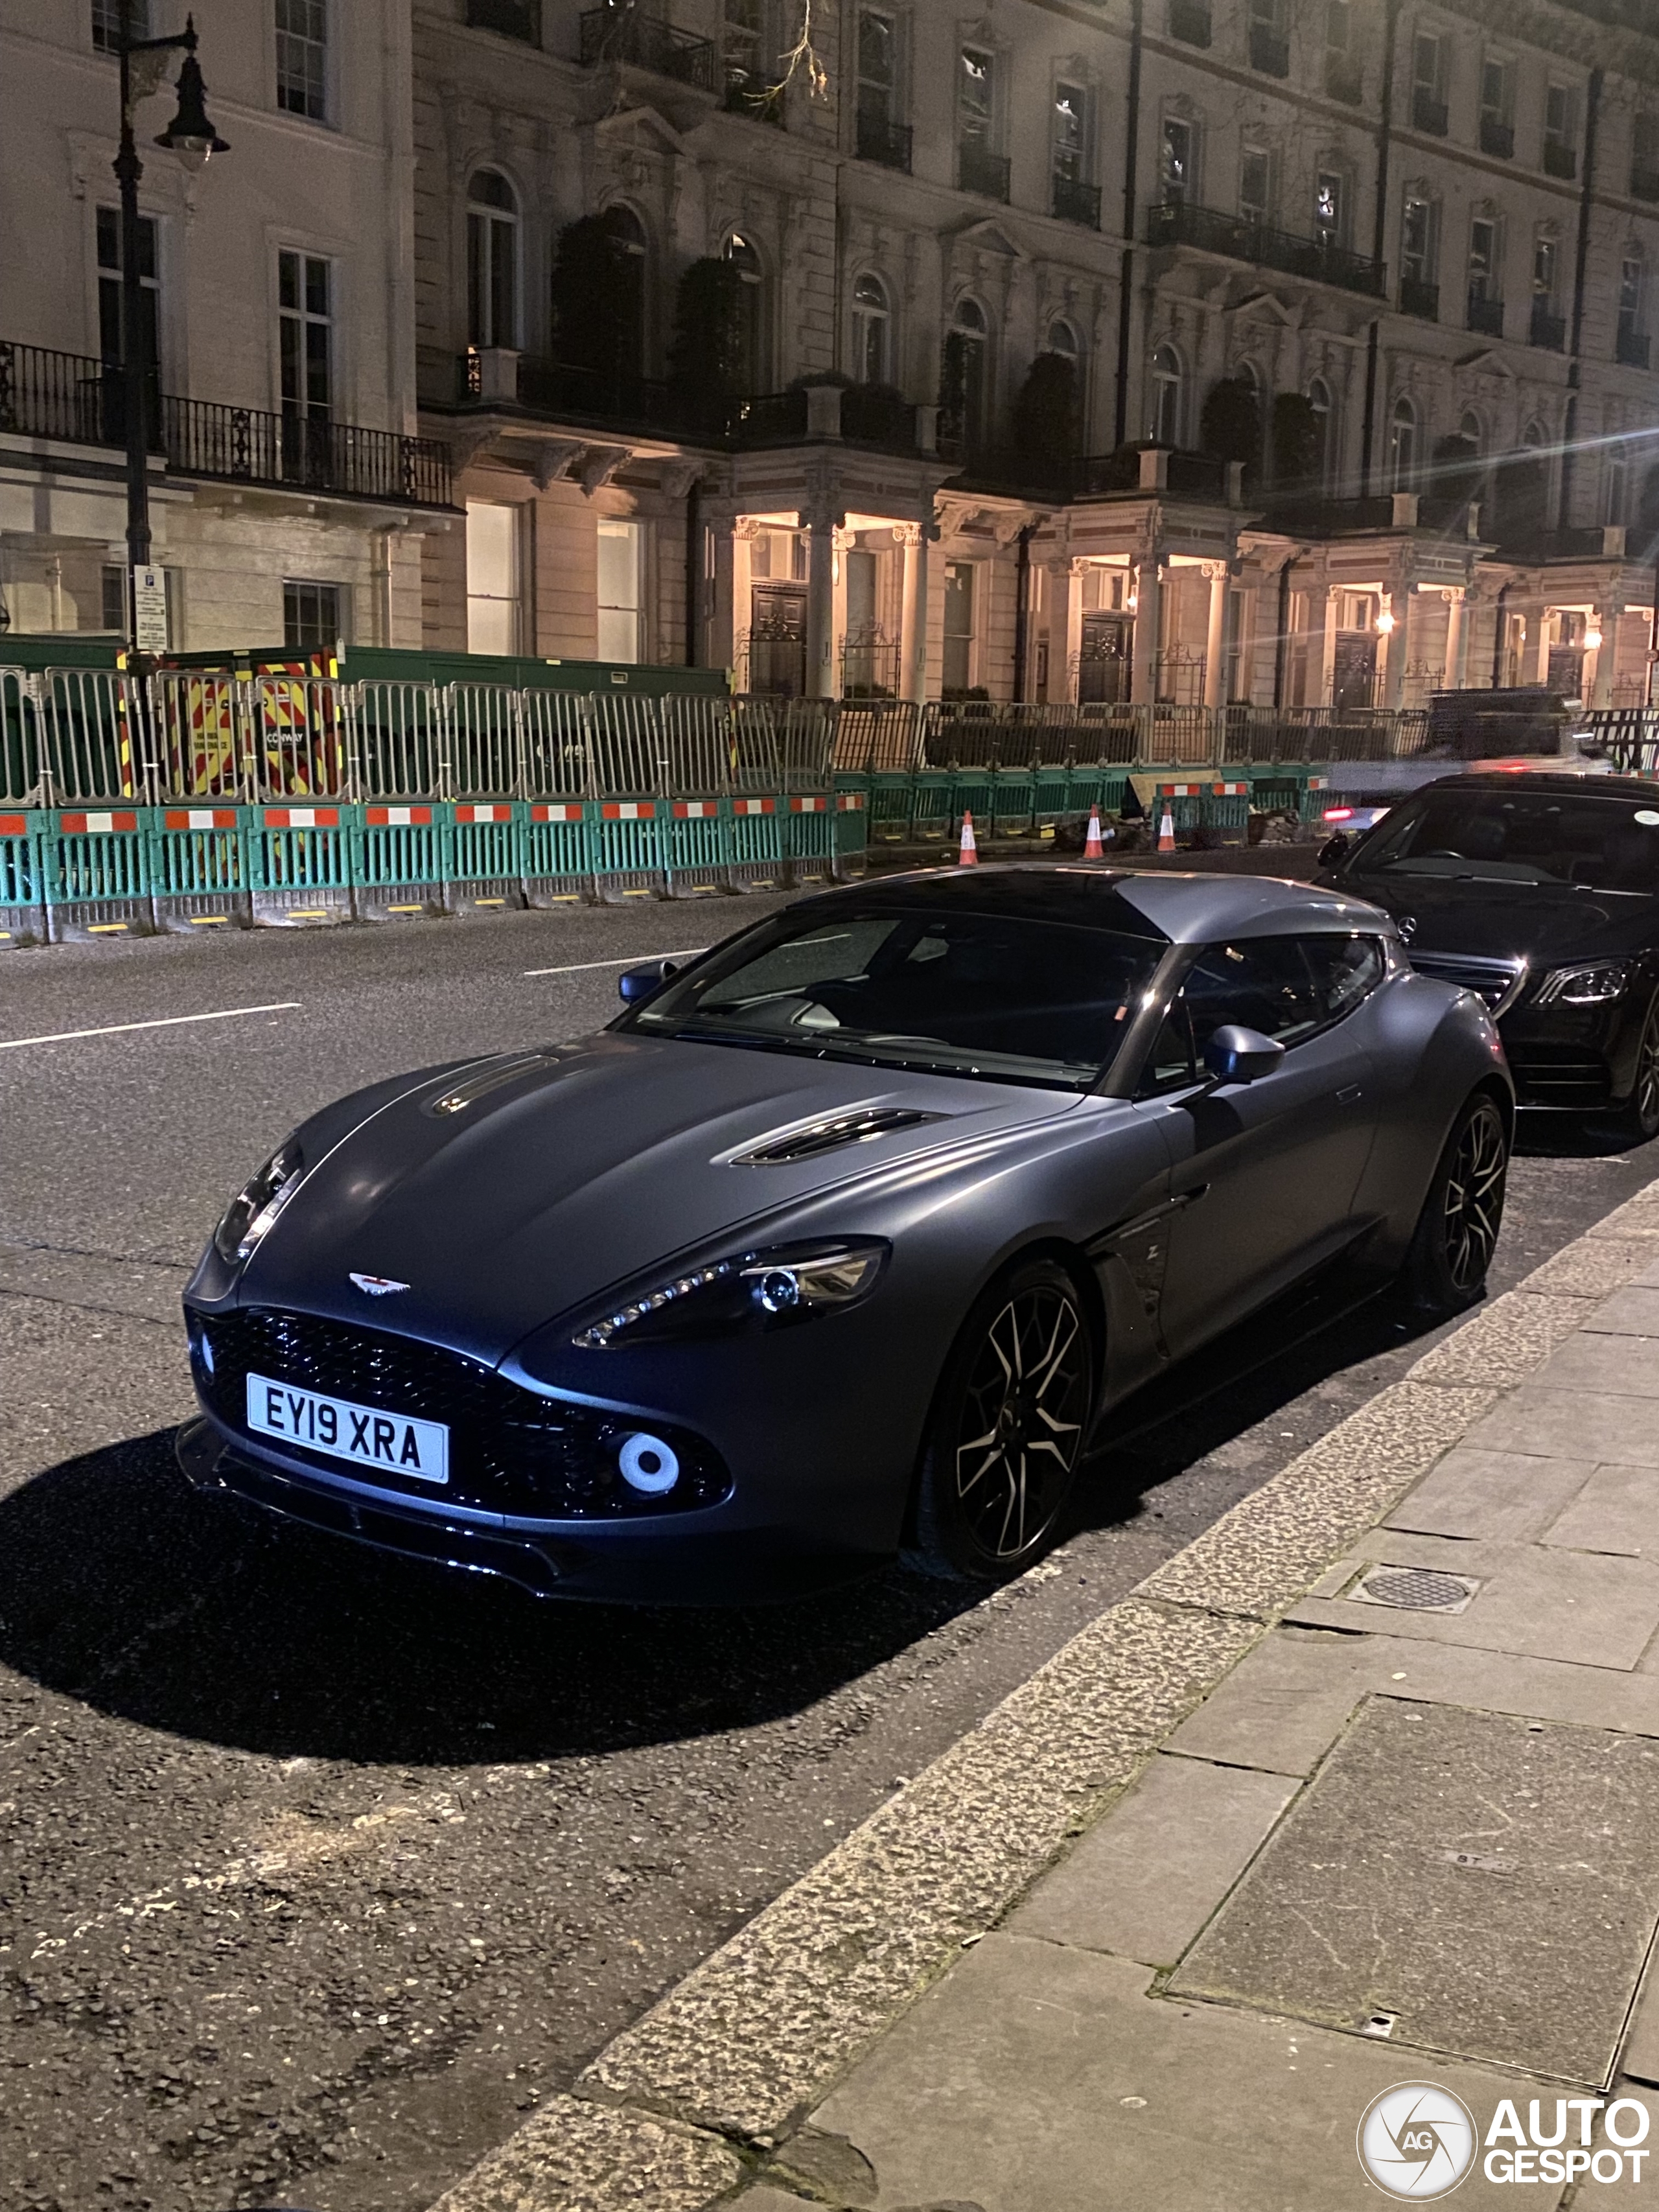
x: 1414, y: 1590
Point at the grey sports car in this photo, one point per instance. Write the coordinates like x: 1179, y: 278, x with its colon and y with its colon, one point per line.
x: 843, y: 1240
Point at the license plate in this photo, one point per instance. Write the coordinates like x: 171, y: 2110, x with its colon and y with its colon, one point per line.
x: 385, y: 1443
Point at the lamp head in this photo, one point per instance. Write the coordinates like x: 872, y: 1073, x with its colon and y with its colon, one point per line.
x: 190, y: 134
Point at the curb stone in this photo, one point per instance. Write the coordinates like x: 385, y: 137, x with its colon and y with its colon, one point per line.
x: 754, y: 2038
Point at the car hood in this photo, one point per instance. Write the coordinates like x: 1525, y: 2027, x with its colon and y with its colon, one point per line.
x: 598, y: 1162
x: 1537, y: 923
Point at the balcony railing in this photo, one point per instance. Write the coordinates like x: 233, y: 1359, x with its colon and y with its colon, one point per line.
x: 81, y: 400
x: 1547, y: 329
x: 1644, y: 182
x: 1497, y: 138
x: 511, y: 19
x: 1419, y: 298
x: 1428, y: 113
x: 1344, y: 79
x: 1560, y: 160
x: 1211, y: 232
x: 1187, y: 476
x: 1631, y: 347
x: 1270, y: 51
x: 878, y: 140
x: 1486, y: 315
x: 647, y: 42
x: 748, y: 92
x: 980, y: 171
x: 1189, y: 21
x: 1075, y: 202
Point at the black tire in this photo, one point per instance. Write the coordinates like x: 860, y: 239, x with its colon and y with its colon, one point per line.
x: 1456, y: 1232
x: 1639, y: 1116
x: 1007, y: 1429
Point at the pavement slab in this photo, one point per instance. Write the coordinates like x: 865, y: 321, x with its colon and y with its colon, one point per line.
x: 1489, y: 1495
x: 1617, y: 1510
x: 1572, y: 1424
x: 1633, y: 1311
x: 1491, y: 1884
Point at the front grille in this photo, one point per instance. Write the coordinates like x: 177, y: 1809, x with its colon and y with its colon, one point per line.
x: 1498, y: 981
x: 510, y: 1451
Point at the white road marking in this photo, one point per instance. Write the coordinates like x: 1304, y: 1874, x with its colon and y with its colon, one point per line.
x: 166, y: 1022
x: 629, y: 960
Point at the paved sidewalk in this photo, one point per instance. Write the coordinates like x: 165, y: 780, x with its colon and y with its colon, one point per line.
x: 1413, y: 1835
x: 1359, y: 1788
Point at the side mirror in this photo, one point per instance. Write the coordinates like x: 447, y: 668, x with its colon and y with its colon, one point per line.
x: 1334, y: 848
x: 1235, y: 1054
x: 636, y: 983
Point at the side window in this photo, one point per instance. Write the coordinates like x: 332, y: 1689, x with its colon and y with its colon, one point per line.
x: 1345, y: 970
x: 1262, y: 983
x: 1172, y: 1064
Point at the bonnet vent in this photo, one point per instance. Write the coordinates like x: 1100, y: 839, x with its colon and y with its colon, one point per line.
x: 829, y: 1136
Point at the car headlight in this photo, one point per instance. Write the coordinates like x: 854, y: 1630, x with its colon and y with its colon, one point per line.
x: 756, y: 1289
x: 249, y: 1216
x: 1590, y: 985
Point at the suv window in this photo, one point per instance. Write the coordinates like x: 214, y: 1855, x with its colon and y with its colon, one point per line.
x: 1286, y: 987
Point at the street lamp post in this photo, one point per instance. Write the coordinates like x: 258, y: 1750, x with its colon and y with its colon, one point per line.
x: 192, y: 137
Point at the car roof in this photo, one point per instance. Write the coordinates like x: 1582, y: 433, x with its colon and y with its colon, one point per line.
x: 1184, y: 907
x: 1581, y: 783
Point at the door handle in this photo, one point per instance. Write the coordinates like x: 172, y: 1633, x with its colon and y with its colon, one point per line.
x: 1349, y: 1093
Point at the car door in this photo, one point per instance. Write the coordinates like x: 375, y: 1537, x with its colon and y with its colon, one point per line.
x: 1264, y: 1174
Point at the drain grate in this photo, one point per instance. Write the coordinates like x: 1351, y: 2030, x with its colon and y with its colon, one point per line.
x: 1414, y: 1590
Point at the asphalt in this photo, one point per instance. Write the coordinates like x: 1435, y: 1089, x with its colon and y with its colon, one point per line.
x: 317, y: 1873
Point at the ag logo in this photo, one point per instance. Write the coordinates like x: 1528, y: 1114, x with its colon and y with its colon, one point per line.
x: 378, y: 1286
x: 1417, y: 2142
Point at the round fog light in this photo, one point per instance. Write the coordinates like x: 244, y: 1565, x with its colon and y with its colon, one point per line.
x: 777, y: 1289
x: 647, y: 1464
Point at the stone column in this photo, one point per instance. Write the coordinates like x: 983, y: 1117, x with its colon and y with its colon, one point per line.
x: 912, y: 537
x: 720, y: 645
x: 844, y: 542
x: 1455, y: 672
x: 1216, y: 575
x: 1394, y: 677
x: 1074, y: 576
x: 821, y: 670
x: 1599, y: 687
x: 1542, y: 667
x: 1149, y: 611
x: 1327, y: 662
x: 745, y: 530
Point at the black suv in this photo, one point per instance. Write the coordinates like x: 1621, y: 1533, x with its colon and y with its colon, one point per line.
x: 1540, y: 892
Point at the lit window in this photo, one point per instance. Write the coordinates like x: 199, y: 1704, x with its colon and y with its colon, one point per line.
x: 621, y: 562
x: 492, y: 577
x: 958, y: 670
x: 1175, y: 163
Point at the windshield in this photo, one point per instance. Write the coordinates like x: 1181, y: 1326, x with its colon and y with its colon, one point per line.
x: 1518, y: 835
x: 1002, y: 997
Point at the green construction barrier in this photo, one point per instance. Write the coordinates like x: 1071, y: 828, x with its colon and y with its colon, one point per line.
x: 22, y: 891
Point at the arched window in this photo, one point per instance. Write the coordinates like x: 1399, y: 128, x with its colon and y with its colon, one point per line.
x: 741, y: 252
x: 1063, y: 339
x: 871, y: 332
x: 1402, y: 446
x: 1324, y: 457
x: 1470, y: 428
x: 1615, y: 485
x: 1168, y: 394
x: 964, y: 392
x: 492, y: 260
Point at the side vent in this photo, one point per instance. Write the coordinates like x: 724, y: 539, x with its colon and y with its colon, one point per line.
x: 472, y: 1088
x: 817, y: 1137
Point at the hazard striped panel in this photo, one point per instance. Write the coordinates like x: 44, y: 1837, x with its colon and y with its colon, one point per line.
x: 819, y: 805
x: 498, y: 813
x: 201, y: 818
x: 556, y: 812
x: 1229, y: 790
x: 302, y: 818
x: 754, y: 805
x: 696, y: 810
x: 850, y: 802
x: 79, y: 825
x: 398, y: 817
x: 627, y: 810
x: 1181, y: 790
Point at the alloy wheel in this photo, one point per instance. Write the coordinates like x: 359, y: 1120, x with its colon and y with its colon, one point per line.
x: 1474, y: 1199
x: 1645, y: 1094
x: 1022, y: 1421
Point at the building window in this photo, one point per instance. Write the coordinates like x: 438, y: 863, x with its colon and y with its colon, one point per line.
x: 1177, y: 161
x: 1167, y: 396
x: 1420, y: 224
x: 1402, y: 446
x: 106, y: 37
x: 1270, y: 44
x: 622, y: 594
x: 1189, y: 21
x: 964, y: 393
x: 111, y: 335
x: 1546, y: 268
x: 306, y: 328
x: 1069, y: 149
x: 1631, y: 344
x: 958, y: 670
x: 982, y: 169
x: 880, y: 136
x: 1342, y: 77
x: 492, y: 577
x: 1319, y: 400
x: 741, y: 252
x: 871, y: 322
x: 1615, y: 486
x: 1063, y: 340
x: 492, y: 260
x: 302, y: 57
x: 1255, y: 184
x: 1330, y: 207
x: 1428, y: 83
x: 313, y: 615
x: 1645, y: 157
x: 1561, y: 132
x: 1486, y: 294
x: 628, y: 243
x: 511, y: 19
x: 1497, y: 107
x: 746, y: 44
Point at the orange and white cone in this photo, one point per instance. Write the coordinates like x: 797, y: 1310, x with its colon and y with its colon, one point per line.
x: 1093, y: 849
x: 1166, y: 842
x: 969, y: 856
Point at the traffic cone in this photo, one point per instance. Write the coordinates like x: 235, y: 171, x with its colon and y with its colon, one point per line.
x: 1166, y: 842
x: 1093, y: 849
x: 969, y: 856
